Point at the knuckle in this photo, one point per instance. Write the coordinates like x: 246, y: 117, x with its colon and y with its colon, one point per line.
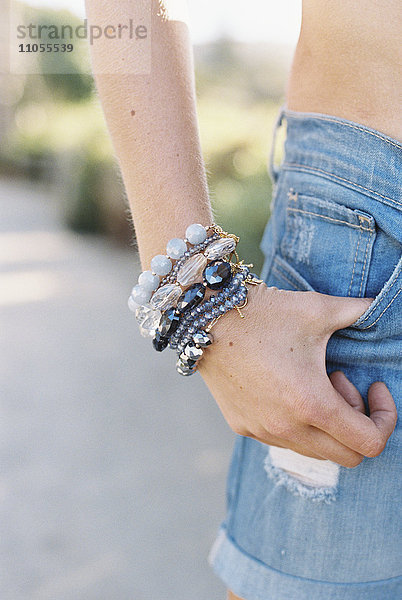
x: 260, y: 432
x: 373, y: 447
x: 239, y: 428
x: 312, y: 412
x: 282, y: 429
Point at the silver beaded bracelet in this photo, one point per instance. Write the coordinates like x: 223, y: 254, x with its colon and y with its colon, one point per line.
x: 152, y: 294
x: 164, y: 306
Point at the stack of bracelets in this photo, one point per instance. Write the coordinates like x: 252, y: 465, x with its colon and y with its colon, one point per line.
x: 173, y: 303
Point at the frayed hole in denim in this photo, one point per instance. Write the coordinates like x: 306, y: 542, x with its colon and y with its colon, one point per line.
x: 303, y: 476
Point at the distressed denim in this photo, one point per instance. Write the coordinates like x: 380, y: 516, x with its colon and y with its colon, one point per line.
x: 297, y: 528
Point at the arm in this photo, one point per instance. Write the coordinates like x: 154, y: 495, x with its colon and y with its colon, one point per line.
x: 153, y: 124
x: 270, y: 382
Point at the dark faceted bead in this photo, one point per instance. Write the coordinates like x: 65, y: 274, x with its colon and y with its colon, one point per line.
x: 191, y: 297
x: 168, y: 323
x: 159, y: 342
x: 217, y: 274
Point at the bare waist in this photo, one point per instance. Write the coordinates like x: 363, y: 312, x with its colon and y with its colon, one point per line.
x: 348, y: 63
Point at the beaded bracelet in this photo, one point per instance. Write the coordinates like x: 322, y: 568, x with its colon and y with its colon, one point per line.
x: 172, y: 276
x: 151, y: 294
x: 216, y: 305
x: 175, y: 317
x: 191, y: 347
x: 161, y: 265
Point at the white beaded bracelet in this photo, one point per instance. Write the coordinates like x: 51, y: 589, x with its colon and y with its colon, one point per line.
x: 149, y: 298
x: 161, y: 265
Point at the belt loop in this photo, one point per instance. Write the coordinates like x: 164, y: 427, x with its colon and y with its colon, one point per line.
x: 272, y: 169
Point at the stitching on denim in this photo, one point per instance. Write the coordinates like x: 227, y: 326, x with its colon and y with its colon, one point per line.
x: 307, y: 212
x: 386, y: 308
x: 286, y: 164
x: 354, y: 264
x: 280, y: 274
x: 362, y: 129
x: 365, y: 262
x: 385, y: 295
x: 371, y: 308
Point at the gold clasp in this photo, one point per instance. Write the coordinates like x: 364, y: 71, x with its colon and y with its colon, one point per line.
x: 218, y: 229
x: 239, y: 307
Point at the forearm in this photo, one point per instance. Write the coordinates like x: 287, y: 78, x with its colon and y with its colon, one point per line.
x: 153, y: 124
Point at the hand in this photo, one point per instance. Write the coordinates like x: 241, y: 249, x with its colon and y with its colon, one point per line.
x: 267, y: 374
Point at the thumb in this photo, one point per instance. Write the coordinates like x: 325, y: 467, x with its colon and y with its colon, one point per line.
x: 342, y: 312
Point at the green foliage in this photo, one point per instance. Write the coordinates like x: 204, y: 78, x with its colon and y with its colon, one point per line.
x: 66, y: 75
x: 236, y: 141
x: 239, y: 89
x: 84, y: 211
x: 71, y: 86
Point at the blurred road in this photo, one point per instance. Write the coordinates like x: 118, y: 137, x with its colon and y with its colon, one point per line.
x: 112, y: 466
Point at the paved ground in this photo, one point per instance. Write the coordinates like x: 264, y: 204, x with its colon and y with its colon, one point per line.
x: 112, y: 466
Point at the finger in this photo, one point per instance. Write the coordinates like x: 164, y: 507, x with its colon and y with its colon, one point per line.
x: 382, y: 411
x: 334, y: 415
x: 328, y: 448
x: 347, y: 390
x: 316, y: 444
x: 272, y: 440
x: 342, y: 312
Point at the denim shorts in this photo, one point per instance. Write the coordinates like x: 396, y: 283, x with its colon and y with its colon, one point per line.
x: 297, y: 528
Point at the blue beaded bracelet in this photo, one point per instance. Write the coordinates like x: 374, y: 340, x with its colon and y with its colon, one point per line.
x: 152, y: 296
x: 191, y: 349
x: 210, y: 309
x: 216, y: 275
x: 182, y: 319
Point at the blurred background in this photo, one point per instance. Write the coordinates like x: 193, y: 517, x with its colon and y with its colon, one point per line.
x: 112, y: 467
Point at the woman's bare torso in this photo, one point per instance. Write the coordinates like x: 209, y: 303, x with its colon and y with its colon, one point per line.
x: 348, y: 62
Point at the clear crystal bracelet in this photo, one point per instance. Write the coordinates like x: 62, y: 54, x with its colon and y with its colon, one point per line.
x: 153, y: 293
x: 173, y: 311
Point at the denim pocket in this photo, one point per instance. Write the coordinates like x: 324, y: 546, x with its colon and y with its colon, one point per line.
x: 385, y: 306
x: 285, y: 277
x: 328, y: 244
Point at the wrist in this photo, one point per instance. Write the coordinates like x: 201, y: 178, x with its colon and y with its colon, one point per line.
x: 178, y: 310
x: 232, y: 326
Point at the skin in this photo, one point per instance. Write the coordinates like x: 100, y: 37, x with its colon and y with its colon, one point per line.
x: 282, y: 396
x: 348, y: 62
